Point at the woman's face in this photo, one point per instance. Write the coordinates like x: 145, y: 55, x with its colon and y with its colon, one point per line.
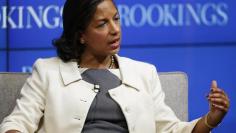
x: 102, y: 36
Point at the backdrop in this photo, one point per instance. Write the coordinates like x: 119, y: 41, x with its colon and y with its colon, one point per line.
x: 194, y: 36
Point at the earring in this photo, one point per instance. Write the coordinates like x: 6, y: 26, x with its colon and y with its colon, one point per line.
x: 82, y: 41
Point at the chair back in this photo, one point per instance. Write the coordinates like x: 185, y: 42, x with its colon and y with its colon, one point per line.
x: 10, y: 86
x: 175, y: 86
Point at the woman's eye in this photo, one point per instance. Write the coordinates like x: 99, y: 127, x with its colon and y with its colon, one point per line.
x: 101, y: 24
x: 117, y: 17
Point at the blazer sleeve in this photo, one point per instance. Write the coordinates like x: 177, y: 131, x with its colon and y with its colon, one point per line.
x: 30, y: 106
x: 166, y: 120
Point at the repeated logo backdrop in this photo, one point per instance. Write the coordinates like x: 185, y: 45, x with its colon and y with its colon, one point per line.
x: 168, y: 22
x: 149, y: 22
x: 2, y: 31
x: 194, y: 36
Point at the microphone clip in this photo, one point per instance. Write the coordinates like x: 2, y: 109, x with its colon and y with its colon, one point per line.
x: 96, y: 88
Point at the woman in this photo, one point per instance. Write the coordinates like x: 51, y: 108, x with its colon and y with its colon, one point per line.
x: 89, y: 88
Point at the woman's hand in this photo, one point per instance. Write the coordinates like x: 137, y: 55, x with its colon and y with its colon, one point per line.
x: 219, y: 105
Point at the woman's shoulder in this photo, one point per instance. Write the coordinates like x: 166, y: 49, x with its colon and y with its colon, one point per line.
x: 48, y: 61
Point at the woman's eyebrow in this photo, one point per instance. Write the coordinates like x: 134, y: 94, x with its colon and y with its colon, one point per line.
x: 117, y: 13
x: 104, y: 19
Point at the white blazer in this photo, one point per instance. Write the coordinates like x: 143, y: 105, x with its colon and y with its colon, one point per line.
x: 56, y: 97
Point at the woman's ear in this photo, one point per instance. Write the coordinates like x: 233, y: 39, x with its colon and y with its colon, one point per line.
x: 79, y: 35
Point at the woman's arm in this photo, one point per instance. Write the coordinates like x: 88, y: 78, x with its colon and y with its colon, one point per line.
x: 166, y: 121
x: 201, y: 127
x: 219, y: 105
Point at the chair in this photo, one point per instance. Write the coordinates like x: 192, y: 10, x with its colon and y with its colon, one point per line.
x: 10, y: 86
x: 174, y: 85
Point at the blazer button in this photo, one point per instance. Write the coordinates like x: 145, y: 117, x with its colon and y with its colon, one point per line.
x: 83, y: 100
x: 113, y: 94
x: 127, y: 109
x: 77, y: 118
x: 133, y: 128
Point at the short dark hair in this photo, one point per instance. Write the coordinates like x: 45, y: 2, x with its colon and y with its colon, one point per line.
x: 77, y: 15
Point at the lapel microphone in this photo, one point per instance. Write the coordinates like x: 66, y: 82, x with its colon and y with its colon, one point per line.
x: 96, y: 88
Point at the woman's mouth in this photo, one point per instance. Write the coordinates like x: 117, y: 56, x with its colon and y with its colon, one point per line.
x: 115, y: 44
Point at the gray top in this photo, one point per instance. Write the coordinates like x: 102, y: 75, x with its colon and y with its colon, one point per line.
x: 105, y: 115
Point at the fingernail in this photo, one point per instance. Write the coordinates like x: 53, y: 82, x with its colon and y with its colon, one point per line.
x: 214, y: 83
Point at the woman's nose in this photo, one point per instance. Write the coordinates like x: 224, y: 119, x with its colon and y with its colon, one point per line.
x: 114, y: 28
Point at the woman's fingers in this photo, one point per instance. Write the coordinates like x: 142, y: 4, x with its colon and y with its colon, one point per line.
x: 217, y: 90
x: 219, y: 101
x: 217, y: 95
x: 213, y: 84
x: 218, y: 98
x: 220, y: 107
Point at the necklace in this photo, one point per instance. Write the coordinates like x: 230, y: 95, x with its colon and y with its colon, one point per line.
x: 110, y: 66
x: 112, y: 62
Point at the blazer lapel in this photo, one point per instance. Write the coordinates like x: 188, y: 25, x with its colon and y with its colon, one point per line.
x: 69, y: 72
x: 129, y: 76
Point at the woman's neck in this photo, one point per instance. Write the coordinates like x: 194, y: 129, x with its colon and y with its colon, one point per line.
x: 98, y: 62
